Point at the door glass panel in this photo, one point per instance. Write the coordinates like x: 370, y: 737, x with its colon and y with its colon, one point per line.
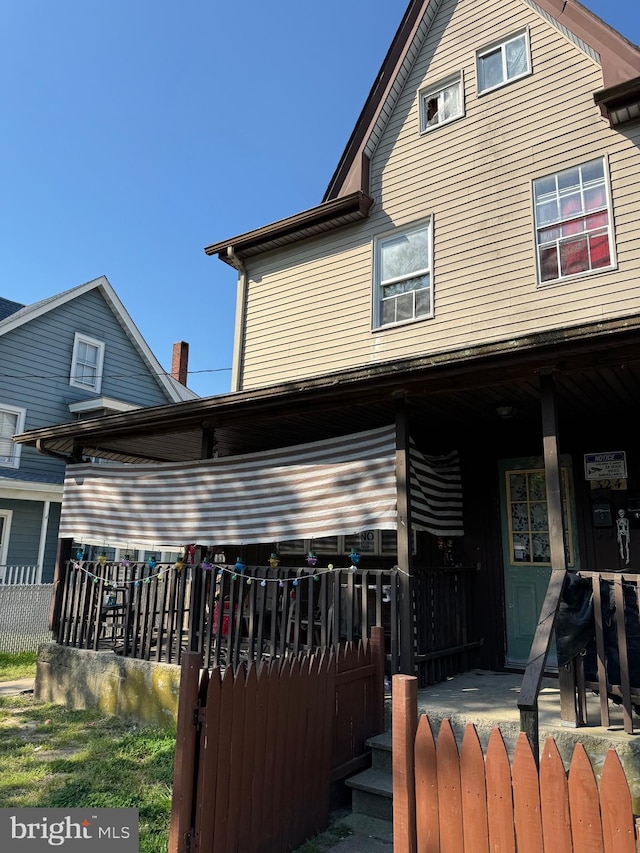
x: 529, y: 519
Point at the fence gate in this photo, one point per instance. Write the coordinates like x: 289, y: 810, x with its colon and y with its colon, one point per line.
x: 259, y: 747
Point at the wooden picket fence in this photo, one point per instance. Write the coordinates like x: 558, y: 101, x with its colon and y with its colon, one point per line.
x: 445, y: 801
x: 258, y: 747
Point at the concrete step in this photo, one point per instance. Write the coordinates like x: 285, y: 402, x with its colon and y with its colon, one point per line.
x: 381, y: 752
x: 372, y: 794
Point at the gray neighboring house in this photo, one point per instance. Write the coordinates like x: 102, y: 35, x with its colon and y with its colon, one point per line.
x: 74, y: 355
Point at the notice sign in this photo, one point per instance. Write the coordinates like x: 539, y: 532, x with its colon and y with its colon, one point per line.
x: 605, y: 466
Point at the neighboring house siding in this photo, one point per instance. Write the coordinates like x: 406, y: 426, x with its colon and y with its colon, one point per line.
x: 41, y: 352
x: 23, y: 544
x: 309, y: 306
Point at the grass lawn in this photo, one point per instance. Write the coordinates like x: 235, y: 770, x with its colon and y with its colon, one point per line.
x: 22, y: 665
x: 51, y: 756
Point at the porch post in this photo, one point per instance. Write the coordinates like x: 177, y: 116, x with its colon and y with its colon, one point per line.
x: 63, y: 556
x: 569, y: 714
x: 528, y: 700
x: 405, y: 576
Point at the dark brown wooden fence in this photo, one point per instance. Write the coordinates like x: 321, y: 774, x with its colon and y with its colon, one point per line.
x: 259, y: 746
x: 450, y: 802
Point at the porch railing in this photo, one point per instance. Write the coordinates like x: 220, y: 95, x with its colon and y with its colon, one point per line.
x: 20, y: 574
x: 263, y: 613
x: 610, y: 664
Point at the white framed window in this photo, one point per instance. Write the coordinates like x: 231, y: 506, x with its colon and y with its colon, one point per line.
x: 441, y: 103
x: 5, y: 528
x: 86, y: 363
x: 11, y: 422
x: 403, y: 280
x: 503, y: 61
x: 573, y: 223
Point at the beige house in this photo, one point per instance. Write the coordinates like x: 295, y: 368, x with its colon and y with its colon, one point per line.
x: 470, y: 275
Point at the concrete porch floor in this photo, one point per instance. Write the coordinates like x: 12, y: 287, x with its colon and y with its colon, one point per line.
x: 488, y: 699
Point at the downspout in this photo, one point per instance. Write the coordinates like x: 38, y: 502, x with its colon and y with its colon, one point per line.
x: 241, y: 312
x: 43, y: 539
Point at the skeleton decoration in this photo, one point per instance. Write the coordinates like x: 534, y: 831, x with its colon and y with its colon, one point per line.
x: 623, y: 536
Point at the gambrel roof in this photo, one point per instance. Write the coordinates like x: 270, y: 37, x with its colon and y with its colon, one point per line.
x: 347, y: 197
x: 22, y: 314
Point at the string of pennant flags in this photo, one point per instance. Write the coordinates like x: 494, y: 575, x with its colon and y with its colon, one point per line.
x: 237, y: 570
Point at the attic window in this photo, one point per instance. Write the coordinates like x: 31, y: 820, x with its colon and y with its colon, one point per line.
x: 441, y: 103
x: 502, y: 62
x: 86, y: 363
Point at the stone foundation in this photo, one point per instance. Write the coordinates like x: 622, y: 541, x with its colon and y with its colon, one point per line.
x: 138, y: 690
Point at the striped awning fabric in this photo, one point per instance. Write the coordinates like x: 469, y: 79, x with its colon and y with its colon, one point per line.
x: 337, y: 486
x: 436, y: 493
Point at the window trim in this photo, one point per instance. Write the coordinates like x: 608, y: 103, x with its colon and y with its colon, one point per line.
x: 501, y: 44
x: 610, y: 226
x: 379, y: 241
x: 73, y: 380
x: 7, y: 514
x: 14, y: 461
x: 426, y: 92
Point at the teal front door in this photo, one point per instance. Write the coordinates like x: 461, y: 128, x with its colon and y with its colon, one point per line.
x: 526, y: 550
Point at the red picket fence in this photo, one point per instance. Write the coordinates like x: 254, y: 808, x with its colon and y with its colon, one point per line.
x: 259, y: 747
x: 445, y: 801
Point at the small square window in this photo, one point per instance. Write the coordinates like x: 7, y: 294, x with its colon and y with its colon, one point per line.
x: 403, y: 285
x: 86, y: 363
x: 503, y: 62
x: 441, y: 103
x: 11, y: 422
x: 573, y: 222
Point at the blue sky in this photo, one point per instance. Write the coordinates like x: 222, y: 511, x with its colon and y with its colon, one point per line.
x: 135, y: 132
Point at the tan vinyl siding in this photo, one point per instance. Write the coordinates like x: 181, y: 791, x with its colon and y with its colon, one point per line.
x: 309, y: 307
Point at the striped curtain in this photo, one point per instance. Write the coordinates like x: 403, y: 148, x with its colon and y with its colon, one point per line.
x: 338, y: 486
x: 436, y: 493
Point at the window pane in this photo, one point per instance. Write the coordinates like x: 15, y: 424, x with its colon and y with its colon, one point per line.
x: 519, y: 517
x: 547, y: 212
x: 574, y: 256
x: 432, y: 113
x: 570, y: 205
x: 595, y: 198
x: 521, y: 548
x: 451, y: 102
x: 541, y: 548
x: 423, y: 301
x: 490, y: 66
x: 388, y: 311
x: 569, y: 179
x: 593, y: 171
x: 596, y: 220
x: 8, y: 427
x: 599, y: 251
x: 404, y: 307
x: 549, y: 264
x: 516, y: 51
x: 405, y: 254
x: 517, y: 487
x: 539, y: 520
x: 544, y: 186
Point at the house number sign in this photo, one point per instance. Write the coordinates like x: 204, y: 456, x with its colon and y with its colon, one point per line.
x: 605, y: 466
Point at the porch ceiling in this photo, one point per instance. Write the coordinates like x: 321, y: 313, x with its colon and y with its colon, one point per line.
x: 595, y: 376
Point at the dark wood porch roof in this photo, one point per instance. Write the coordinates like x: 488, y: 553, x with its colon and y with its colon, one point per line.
x: 597, y: 371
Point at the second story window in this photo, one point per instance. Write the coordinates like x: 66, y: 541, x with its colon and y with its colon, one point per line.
x: 11, y: 422
x: 573, y: 222
x: 503, y: 62
x: 441, y: 103
x: 86, y: 364
x: 404, y: 290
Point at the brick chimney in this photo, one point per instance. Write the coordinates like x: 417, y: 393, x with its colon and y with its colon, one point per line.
x: 180, y: 361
